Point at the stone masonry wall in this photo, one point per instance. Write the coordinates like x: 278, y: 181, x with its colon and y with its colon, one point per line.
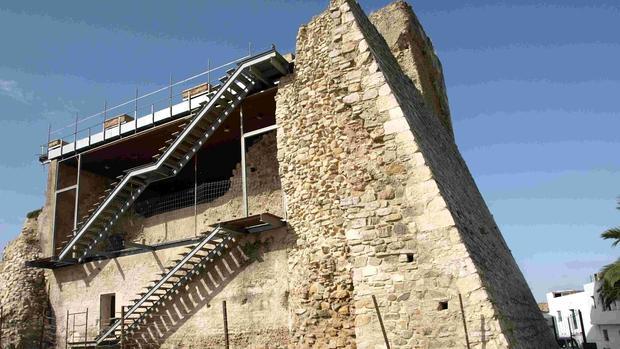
x: 515, y: 310
x: 414, y: 51
x: 23, y: 294
x: 382, y: 204
x: 312, y: 145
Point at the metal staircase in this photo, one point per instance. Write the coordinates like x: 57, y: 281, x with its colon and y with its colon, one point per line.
x: 188, y: 266
x: 260, y: 71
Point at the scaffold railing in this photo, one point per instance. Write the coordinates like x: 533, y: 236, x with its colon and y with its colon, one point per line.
x: 133, y: 114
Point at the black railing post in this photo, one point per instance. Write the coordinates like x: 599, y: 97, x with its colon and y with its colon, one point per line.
x: 464, y: 322
x: 170, y: 96
x: 227, y: 344
x: 75, y: 132
x: 47, y: 146
x: 385, y: 338
x: 86, y: 327
x: 555, y: 331
x: 583, y: 331
x: 208, y: 75
x: 67, y: 332
x: 135, y: 114
x: 122, y: 327
x: 105, y: 116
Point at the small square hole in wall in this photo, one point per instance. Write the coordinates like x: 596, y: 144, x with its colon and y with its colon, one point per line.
x: 409, y: 257
x: 443, y: 305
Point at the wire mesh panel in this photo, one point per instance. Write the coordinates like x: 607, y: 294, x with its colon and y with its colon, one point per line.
x: 204, y: 193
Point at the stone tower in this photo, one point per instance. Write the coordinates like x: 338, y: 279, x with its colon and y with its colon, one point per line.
x: 381, y: 201
x: 351, y: 188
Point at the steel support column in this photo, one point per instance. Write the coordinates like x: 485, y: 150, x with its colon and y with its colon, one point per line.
x: 244, y: 182
x: 77, y: 192
x: 54, y: 196
x: 77, y: 198
x: 196, y: 193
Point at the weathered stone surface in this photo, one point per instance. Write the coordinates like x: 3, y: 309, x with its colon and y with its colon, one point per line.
x: 23, y: 294
x: 407, y: 237
x: 414, y: 51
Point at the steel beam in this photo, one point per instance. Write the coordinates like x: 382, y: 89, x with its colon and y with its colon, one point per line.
x: 139, y: 246
x: 71, y: 187
x: 260, y: 131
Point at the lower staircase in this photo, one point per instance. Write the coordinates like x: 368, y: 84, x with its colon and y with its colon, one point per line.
x: 136, y: 319
x: 185, y: 268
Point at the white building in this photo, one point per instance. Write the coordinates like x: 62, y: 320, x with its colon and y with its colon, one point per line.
x: 601, y: 325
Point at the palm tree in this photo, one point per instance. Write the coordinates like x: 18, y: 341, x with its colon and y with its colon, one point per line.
x: 610, y: 275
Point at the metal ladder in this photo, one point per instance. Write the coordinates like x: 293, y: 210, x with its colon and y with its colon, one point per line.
x: 260, y: 70
x: 188, y: 266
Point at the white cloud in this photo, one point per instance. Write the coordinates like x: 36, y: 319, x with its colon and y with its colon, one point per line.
x: 11, y: 89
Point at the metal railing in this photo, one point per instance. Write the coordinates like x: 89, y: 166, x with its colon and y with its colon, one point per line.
x: 113, y: 121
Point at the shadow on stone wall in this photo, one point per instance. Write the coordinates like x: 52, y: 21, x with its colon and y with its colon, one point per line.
x: 84, y: 272
x: 174, y: 313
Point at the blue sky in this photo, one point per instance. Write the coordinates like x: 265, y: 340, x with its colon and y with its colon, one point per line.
x: 533, y: 89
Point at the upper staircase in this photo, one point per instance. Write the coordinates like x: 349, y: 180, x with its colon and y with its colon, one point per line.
x: 253, y: 74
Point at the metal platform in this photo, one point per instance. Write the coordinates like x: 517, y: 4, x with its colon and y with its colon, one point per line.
x: 248, y: 225
x: 139, y: 124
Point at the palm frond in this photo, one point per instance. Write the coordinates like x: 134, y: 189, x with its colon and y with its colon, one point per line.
x: 613, y: 234
x: 609, y: 290
x: 611, y: 273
